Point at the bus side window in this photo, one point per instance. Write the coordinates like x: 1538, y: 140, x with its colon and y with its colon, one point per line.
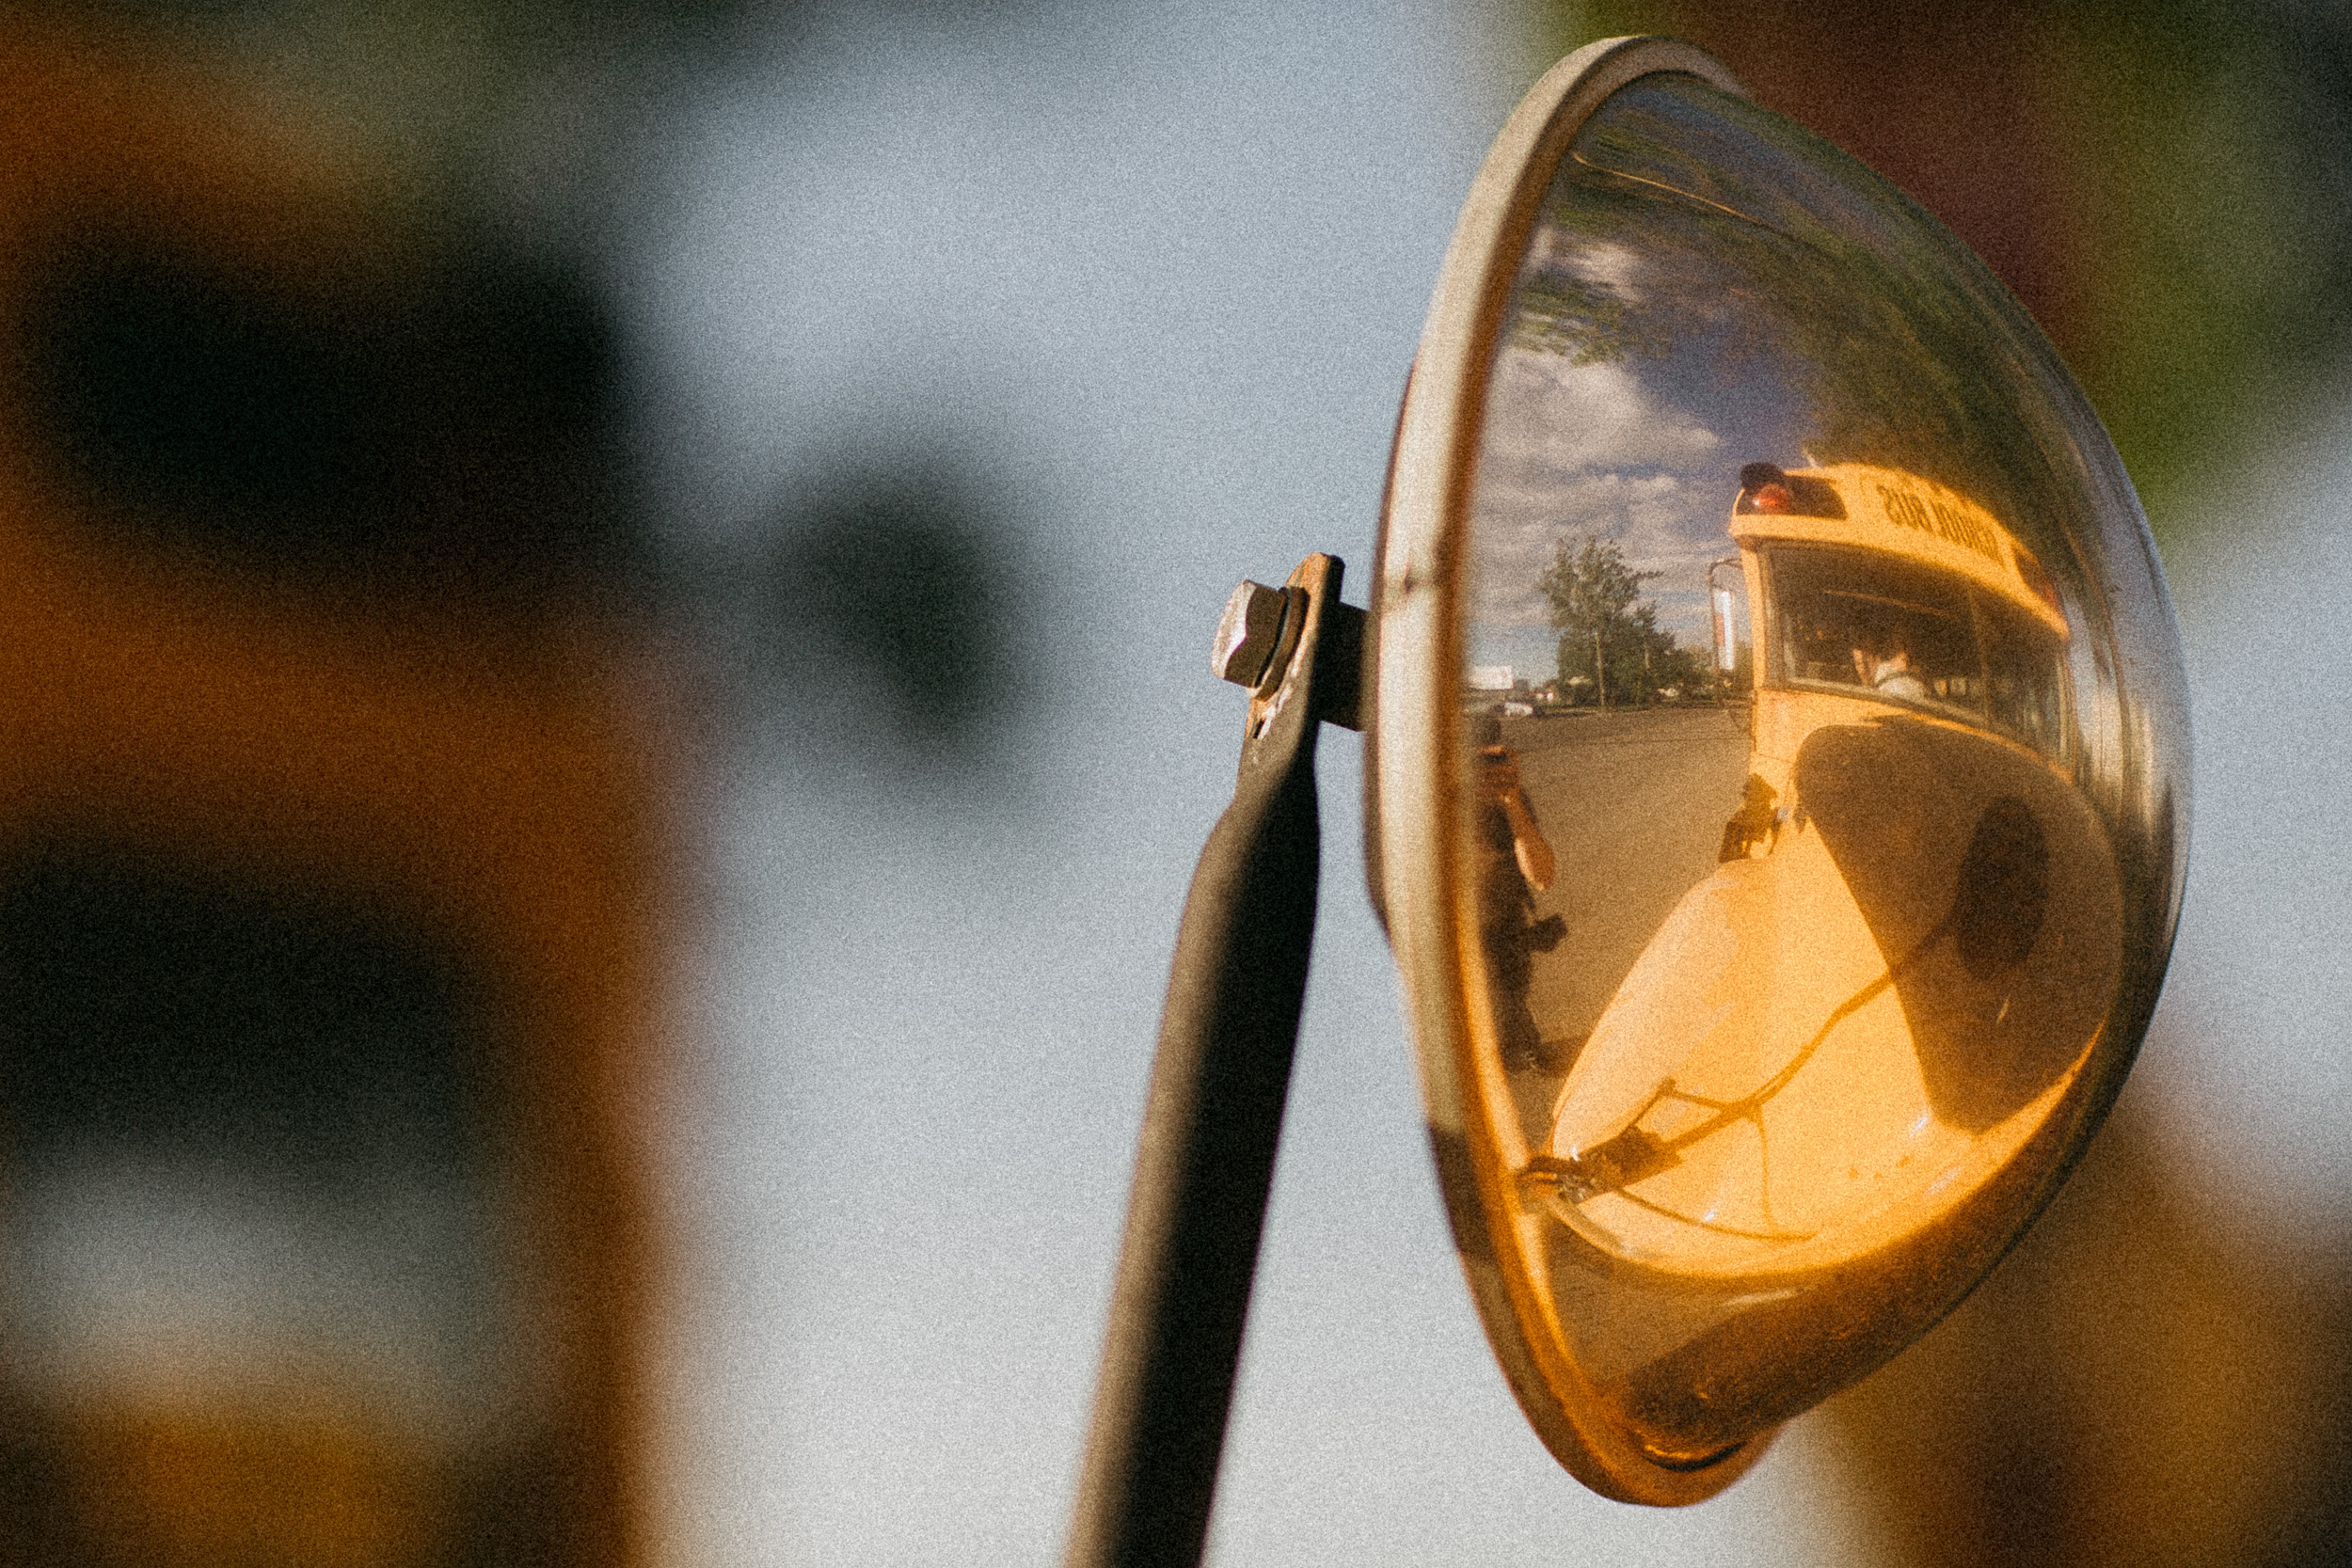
x: 1858, y: 618
x: 2022, y: 665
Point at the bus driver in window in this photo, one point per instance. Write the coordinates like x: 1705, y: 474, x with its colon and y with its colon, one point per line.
x: 1882, y: 661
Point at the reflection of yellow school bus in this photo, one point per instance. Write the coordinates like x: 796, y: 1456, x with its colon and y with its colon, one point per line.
x: 1889, y: 984
x: 1876, y: 583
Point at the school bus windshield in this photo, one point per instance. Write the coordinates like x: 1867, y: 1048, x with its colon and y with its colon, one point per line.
x: 1870, y: 624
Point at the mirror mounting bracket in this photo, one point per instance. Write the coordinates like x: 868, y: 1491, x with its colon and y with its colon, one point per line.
x: 1205, y: 1162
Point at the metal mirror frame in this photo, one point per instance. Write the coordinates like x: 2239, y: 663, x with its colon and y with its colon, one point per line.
x: 1414, y: 777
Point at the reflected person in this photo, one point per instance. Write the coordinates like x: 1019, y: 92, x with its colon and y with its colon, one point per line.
x: 1515, y: 865
x: 1883, y: 661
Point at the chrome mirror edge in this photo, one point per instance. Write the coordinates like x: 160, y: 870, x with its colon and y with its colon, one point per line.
x: 1413, y: 762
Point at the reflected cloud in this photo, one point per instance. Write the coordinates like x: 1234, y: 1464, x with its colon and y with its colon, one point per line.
x: 1581, y: 450
x: 1554, y: 413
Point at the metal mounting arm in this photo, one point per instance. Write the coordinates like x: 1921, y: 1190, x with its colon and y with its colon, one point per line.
x: 1205, y: 1160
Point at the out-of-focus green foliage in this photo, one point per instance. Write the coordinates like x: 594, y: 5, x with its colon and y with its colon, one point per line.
x: 2221, y: 211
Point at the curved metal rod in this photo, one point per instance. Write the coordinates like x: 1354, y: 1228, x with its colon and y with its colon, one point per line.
x: 1205, y: 1160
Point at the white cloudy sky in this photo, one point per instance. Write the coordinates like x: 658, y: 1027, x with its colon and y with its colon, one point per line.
x: 1642, y: 451
x: 1589, y: 449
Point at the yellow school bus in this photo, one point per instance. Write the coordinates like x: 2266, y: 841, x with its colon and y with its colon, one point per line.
x: 1887, y: 989
x: 1876, y: 585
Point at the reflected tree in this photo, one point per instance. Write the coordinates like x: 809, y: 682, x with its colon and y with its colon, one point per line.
x: 1583, y: 319
x: 1609, y: 635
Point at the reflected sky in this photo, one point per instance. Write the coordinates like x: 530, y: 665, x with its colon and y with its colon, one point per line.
x: 1644, y: 454
x: 1696, y: 284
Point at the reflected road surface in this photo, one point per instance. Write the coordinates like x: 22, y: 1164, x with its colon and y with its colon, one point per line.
x: 1633, y: 803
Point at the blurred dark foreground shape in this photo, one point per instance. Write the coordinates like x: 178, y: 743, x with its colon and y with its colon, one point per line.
x: 2139, y: 1383
x: 330, y: 905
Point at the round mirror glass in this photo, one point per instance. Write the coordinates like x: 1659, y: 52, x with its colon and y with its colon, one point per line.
x: 1780, y: 758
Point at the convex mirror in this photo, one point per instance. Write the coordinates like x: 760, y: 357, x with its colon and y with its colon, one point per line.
x: 1780, y: 777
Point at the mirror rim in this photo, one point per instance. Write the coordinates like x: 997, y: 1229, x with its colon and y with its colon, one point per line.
x: 1413, y: 773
